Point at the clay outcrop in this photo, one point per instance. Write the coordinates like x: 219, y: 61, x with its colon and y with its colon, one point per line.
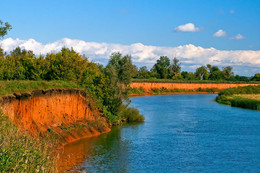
x: 67, y: 113
x: 185, y: 86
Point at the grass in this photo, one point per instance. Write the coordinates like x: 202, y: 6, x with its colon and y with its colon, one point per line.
x: 249, y: 96
x: 245, y: 97
x: 191, y: 81
x: 20, y: 153
x: 9, y: 87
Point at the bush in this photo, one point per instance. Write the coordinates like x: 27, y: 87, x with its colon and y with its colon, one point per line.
x: 131, y: 114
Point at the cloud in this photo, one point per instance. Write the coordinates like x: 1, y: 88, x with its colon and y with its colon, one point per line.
x: 220, y: 33
x: 238, y: 37
x: 232, y: 11
x: 189, y: 27
x: 189, y: 55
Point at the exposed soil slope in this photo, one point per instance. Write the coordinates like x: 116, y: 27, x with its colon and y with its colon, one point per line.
x: 187, y: 86
x: 67, y: 113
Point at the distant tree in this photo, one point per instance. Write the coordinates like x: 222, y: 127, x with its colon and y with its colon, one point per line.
x: 4, y: 28
x: 162, y: 66
x: 184, y: 74
x: 175, y: 68
x: 202, y: 72
x: 143, y: 73
x: 126, y: 70
x: 256, y: 77
x: 215, y: 73
x: 227, y: 72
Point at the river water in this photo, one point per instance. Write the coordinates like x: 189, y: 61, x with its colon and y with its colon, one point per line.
x: 181, y: 133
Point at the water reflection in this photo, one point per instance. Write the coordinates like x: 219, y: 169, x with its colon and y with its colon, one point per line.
x: 181, y: 133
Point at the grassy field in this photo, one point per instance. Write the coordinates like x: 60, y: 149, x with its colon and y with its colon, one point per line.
x: 245, y: 97
x: 249, y: 96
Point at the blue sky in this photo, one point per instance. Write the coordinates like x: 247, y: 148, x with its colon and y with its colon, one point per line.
x: 149, y: 22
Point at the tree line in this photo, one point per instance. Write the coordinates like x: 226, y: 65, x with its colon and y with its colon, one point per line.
x: 165, y: 69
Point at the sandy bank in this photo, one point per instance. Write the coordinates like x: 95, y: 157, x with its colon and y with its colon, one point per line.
x: 68, y: 113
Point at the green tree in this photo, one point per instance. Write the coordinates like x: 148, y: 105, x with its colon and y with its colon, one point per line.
x: 227, y: 72
x: 4, y: 28
x: 215, y: 73
x: 162, y: 67
x: 175, y: 68
x: 143, y: 73
x: 202, y: 73
x: 256, y: 77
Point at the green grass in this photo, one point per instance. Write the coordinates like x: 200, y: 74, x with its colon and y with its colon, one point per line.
x: 19, y: 86
x: 20, y: 153
x: 240, y: 97
x: 190, y: 81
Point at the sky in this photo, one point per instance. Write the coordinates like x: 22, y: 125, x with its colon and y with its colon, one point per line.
x: 198, y: 32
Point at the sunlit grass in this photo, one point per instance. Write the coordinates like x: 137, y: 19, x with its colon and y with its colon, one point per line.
x: 20, y: 153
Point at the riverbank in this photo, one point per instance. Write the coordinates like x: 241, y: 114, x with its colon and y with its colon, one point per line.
x: 244, y: 97
x: 154, y: 88
x: 37, y: 117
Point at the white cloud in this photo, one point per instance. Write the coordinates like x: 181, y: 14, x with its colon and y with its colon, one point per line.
x: 238, y: 37
x: 220, y: 33
x: 189, y: 27
x: 189, y: 55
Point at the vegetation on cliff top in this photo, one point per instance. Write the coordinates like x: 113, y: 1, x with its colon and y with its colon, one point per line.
x: 245, y: 97
x: 104, y: 84
x: 19, y: 86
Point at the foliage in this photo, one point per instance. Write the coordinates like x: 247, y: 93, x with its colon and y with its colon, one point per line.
x: 175, y: 69
x: 19, y: 153
x: 229, y: 97
x: 104, y: 84
x: 9, y: 87
x: 4, y: 28
x: 130, y: 114
x: 202, y: 73
x: 161, y: 67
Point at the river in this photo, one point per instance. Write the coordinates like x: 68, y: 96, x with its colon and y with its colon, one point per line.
x: 181, y: 133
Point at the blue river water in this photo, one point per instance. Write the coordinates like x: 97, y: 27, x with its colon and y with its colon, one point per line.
x: 181, y: 133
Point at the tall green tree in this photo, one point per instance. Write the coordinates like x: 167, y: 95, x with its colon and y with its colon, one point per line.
x: 175, y: 68
x: 162, y: 67
x: 214, y: 73
x: 202, y: 73
x: 227, y: 72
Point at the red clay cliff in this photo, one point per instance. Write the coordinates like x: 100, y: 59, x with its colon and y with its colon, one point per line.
x: 56, y: 111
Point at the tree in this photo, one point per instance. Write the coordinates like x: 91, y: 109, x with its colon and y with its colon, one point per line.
x: 175, y: 68
x: 143, y: 73
x: 120, y: 69
x: 215, y: 73
x: 162, y: 66
x: 4, y: 28
x: 227, y: 72
x: 202, y: 72
x: 256, y: 77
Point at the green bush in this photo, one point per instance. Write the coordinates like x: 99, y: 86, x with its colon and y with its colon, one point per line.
x: 226, y: 96
x: 130, y: 114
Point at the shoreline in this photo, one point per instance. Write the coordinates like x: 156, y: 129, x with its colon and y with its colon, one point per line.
x: 168, y: 93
